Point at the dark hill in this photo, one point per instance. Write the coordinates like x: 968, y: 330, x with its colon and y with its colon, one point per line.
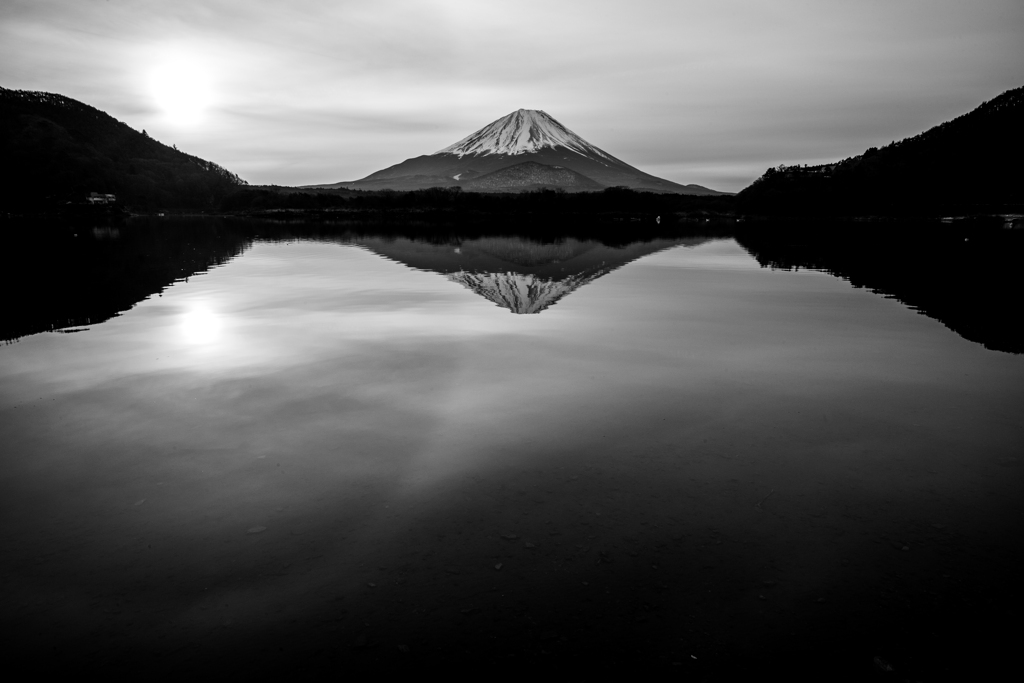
x: 56, y: 149
x: 969, y: 164
x: 530, y: 175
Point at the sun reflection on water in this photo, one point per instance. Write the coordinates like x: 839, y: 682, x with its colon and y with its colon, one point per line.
x: 200, y: 325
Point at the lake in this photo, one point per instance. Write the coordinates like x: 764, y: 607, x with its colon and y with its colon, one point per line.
x: 259, y: 447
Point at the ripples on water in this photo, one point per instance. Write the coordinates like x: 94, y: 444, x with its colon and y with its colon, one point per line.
x: 315, y: 449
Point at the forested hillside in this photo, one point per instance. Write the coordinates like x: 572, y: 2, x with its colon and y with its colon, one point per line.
x: 57, y: 150
x: 969, y: 164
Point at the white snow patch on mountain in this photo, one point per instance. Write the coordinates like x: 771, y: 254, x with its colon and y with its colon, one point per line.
x: 522, y: 131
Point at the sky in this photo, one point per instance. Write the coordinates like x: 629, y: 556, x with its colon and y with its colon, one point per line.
x: 712, y: 93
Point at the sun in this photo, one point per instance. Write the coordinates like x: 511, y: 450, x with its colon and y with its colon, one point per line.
x: 182, y: 89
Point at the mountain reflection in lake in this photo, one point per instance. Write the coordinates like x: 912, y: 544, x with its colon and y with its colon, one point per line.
x: 312, y: 459
x: 515, y: 273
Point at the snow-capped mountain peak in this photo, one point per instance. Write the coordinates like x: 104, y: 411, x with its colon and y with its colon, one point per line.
x: 522, y: 131
x: 528, y: 149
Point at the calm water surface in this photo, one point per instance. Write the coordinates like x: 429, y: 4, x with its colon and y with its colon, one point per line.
x: 400, y: 453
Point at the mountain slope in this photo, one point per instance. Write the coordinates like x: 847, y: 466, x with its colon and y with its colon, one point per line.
x: 531, y: 175
x: 524, y: 135
x: 63, y: 149
x: 957, y: 166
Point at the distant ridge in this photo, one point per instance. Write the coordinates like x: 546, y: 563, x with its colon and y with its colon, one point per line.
x: 959, y: 166
x: 525, y: 135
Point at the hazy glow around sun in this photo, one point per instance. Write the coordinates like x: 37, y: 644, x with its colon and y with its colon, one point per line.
x: 182, y: 89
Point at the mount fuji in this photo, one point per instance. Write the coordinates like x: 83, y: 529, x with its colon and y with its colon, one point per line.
x: 527, y: 149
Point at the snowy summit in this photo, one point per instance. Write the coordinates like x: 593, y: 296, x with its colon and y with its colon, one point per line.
x: 521, y: 132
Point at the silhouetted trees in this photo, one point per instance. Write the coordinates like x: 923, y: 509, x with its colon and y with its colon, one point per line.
x: 454, y: 204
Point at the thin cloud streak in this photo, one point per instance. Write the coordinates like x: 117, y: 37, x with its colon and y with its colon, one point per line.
x: 698, y: 93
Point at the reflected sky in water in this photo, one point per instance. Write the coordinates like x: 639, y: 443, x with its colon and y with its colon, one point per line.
x: 321, y: 389
x: 298, y: 345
